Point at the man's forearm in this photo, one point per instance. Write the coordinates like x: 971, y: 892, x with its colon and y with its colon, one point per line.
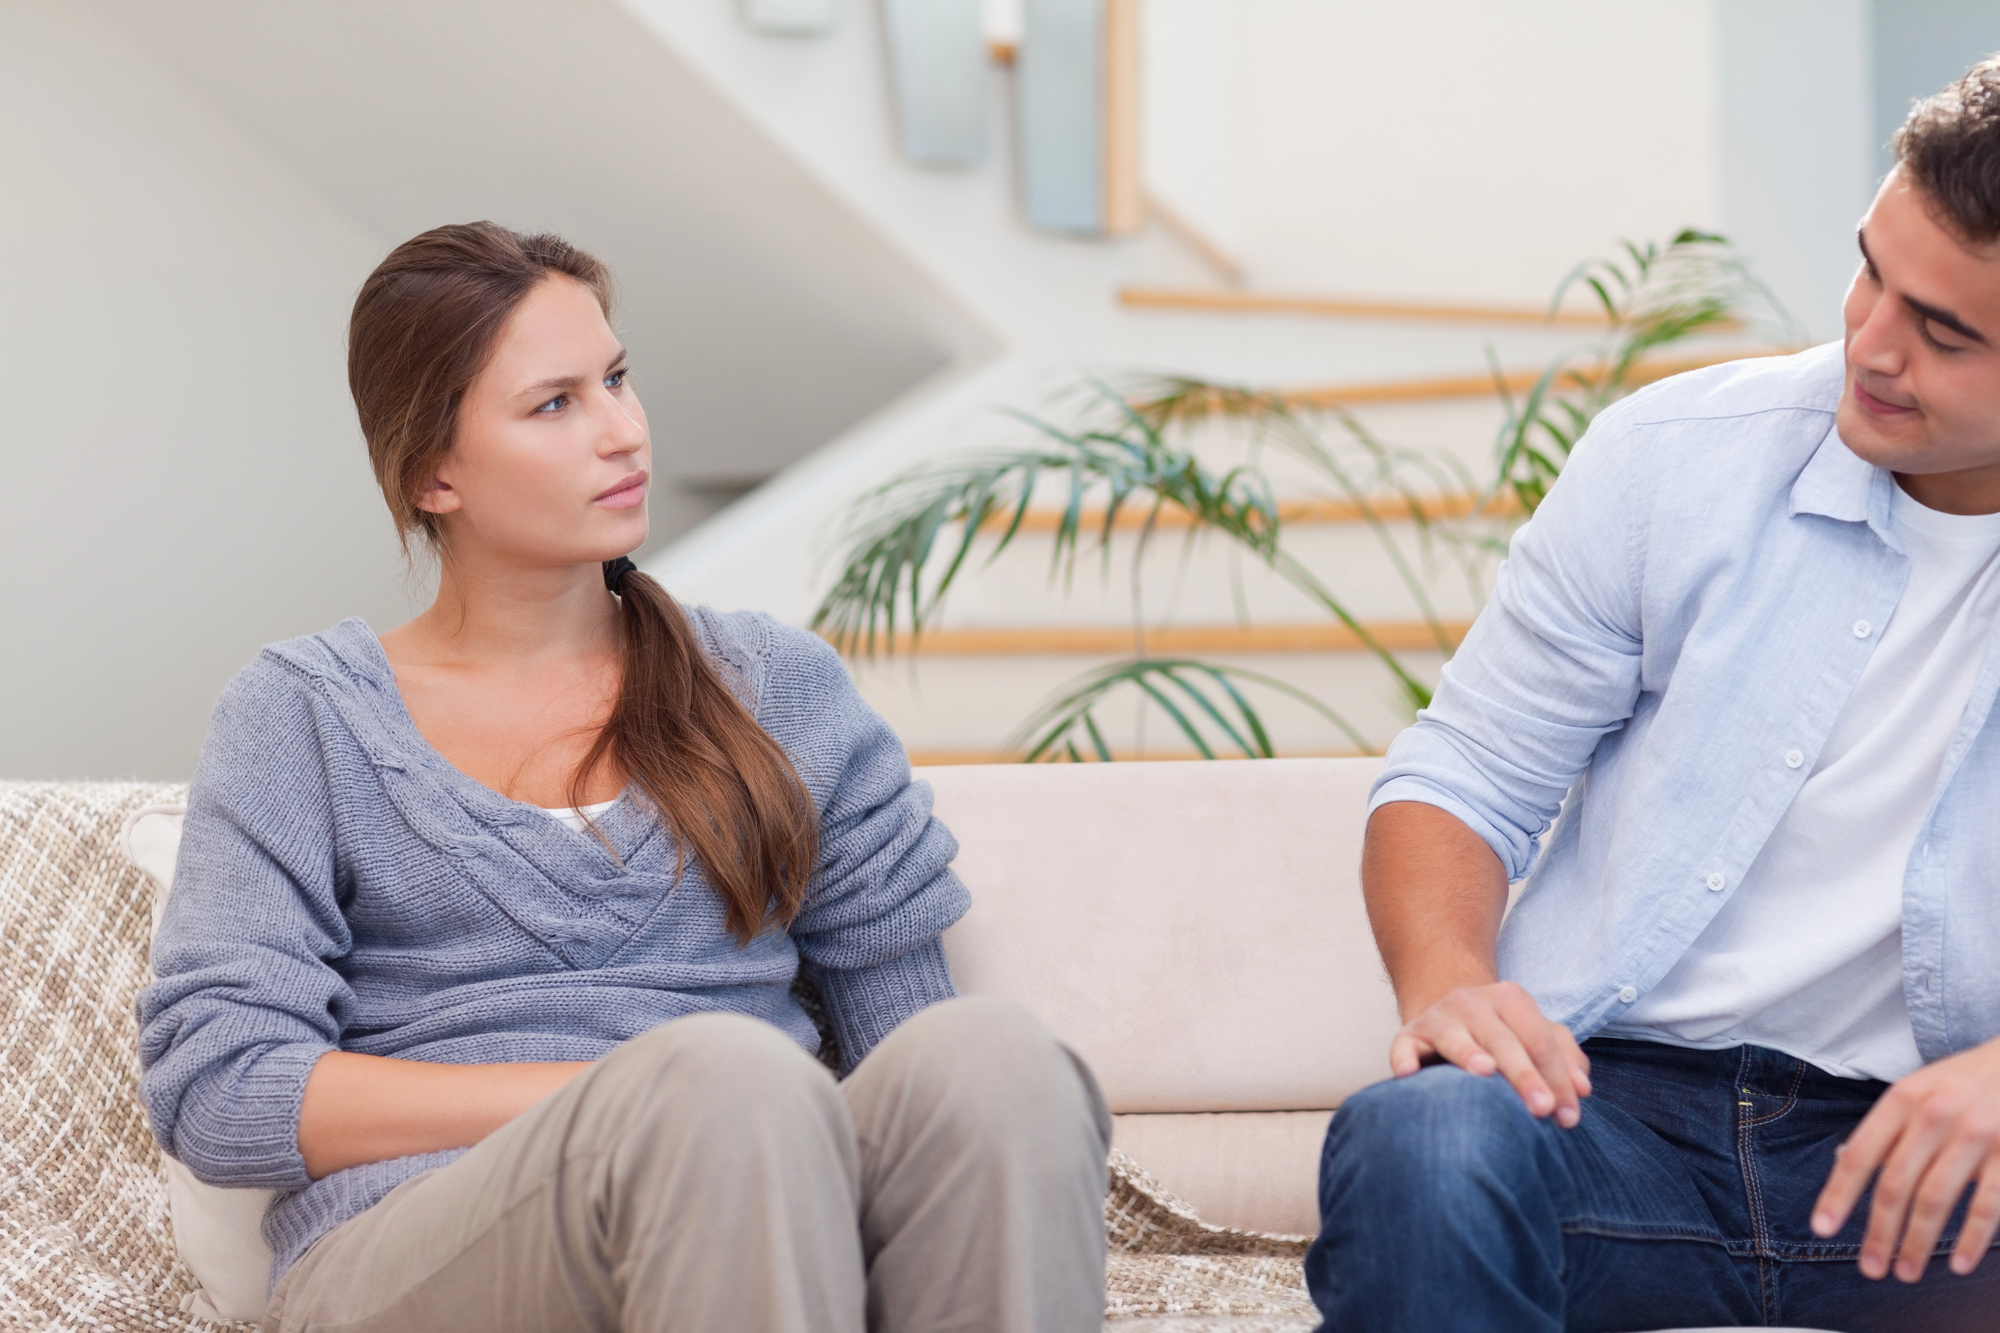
x: 1436, y: 894
x: 368, y: 1108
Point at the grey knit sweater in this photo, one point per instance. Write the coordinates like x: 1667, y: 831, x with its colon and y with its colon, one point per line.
x: 341, y: 886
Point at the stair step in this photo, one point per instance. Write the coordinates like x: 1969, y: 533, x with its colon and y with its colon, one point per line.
x: 1115, y: 640
x: 954, y: 758
x: 974, y: 706
x: 1517, y: 382
x: 1387, y: 509
x: 1341, y: 307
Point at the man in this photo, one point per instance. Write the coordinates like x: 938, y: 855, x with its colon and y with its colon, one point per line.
x: 1748, y: 647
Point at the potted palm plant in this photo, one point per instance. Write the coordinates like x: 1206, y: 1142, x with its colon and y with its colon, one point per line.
x: 1128, y: 453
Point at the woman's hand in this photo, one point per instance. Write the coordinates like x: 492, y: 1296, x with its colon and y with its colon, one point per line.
x: 370, y: 1108
x: 1499, y: 1028
x: 1932, y: 1134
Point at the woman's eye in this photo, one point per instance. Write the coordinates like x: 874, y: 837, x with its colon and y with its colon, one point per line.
x: 615, y: 379
x: 555, y: 404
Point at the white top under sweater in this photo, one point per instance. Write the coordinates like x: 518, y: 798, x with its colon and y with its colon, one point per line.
x: 1806, y: 957
x: 573, y: 819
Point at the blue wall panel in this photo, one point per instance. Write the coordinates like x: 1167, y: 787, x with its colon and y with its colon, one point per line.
x: 937, y: 60
x: 1059, y: 92
x: 1920, y: 46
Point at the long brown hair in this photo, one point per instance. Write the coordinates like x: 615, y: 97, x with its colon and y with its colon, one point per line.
x: 424, y: 326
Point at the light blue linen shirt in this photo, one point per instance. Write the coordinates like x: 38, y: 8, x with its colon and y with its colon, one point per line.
x: 1696, y: 599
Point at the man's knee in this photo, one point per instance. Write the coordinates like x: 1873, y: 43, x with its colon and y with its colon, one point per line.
x: 1421, y: 1136
x: 1442, y: 1171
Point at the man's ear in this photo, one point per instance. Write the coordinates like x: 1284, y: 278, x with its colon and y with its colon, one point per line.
x: 437, y: 497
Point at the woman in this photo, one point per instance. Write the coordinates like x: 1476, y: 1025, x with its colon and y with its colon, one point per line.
x: 483, y: 935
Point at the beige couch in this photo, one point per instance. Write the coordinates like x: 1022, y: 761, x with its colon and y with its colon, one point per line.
x: 1195, y: 930
x: 1161, y: 917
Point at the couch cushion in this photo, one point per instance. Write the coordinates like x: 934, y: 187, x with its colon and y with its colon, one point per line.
x: 1194, y: 930
x: 1252, y: 1170
x: 1168, y: 920
x: 218, y: 1232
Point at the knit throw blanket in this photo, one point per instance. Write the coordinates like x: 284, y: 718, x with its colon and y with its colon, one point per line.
x: 84, y: 1237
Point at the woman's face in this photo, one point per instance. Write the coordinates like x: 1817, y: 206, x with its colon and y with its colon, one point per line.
x: 551, y: 462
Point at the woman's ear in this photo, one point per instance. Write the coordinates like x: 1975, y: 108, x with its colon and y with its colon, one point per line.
x: 437, y: 497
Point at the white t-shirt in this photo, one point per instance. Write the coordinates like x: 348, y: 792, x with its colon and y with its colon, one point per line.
x: 574, y: 818
x: 1807, y: 956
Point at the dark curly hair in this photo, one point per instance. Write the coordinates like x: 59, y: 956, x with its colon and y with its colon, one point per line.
x: 1950, y: 147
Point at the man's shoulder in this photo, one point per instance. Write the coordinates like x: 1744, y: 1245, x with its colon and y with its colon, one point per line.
x: 1808, y: 382
x: 1738, y: 427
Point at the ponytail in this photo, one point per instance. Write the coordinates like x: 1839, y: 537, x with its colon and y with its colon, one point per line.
x: 720, y: 782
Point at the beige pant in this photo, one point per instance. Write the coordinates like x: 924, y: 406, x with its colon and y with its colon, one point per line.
x: 709, y: 1176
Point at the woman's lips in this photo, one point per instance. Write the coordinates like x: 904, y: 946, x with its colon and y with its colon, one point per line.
x: 625, y: 494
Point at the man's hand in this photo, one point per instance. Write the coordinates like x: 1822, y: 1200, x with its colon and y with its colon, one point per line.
x: 1932, y: 1134
x: 1499, y: 1028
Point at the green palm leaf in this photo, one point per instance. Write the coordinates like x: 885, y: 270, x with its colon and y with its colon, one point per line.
x: 1201, y: 699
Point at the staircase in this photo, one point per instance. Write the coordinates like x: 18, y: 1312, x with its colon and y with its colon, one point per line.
x: 1413, y: 372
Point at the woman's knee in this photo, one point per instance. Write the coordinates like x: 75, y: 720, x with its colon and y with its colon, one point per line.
x: 711, y: 1068
x: 989, y: 1060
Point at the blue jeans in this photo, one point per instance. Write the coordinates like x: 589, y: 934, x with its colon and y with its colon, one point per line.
x: 1681, y: 1199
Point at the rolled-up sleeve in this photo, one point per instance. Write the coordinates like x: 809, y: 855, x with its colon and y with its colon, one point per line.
x: 247, y: 999
x: 1550, y: 667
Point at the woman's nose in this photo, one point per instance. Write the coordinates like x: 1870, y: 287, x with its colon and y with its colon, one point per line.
x: 623, y: 432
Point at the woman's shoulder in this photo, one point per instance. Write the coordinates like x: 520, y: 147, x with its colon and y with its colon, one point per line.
x: 294, y: 680
x: 777, y: 669
x: 760, y: 647
x: 348, y: 650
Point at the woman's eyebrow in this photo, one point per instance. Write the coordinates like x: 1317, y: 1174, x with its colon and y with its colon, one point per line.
x: 564, y: 383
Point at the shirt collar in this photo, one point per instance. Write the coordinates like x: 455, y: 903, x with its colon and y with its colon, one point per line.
x: 1838, y: 484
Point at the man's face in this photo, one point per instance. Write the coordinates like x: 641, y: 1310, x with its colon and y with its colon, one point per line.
x: 1922, y: 396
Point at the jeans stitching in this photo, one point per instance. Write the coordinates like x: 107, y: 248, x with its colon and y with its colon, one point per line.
x: 1753, y: 1184
x: 1791, y: 1098
x: 1591, y: 1226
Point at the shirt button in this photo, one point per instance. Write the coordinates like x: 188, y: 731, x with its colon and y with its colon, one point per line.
x: 1862, y: 629
x: 1793, y: 758
x: 1716, y: 882
x: 1629, y: 994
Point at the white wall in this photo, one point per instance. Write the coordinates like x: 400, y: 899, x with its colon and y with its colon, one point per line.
x: 1436, y: 147
x: 758, y: 309
x: 1441, y: 148
x: 180, y: 476
x: 194, y: 192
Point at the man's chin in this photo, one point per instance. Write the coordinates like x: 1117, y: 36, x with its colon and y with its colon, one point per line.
x: 1870, y: 439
